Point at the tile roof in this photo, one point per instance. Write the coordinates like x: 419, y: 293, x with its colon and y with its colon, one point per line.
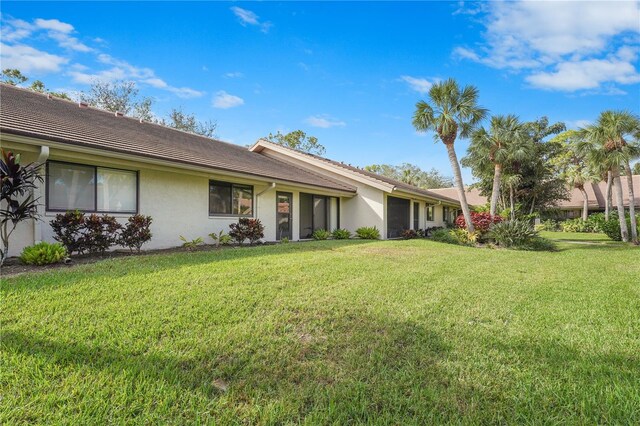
x: 396, y: 183
x: 27, y: 113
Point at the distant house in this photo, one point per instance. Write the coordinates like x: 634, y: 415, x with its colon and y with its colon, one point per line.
x: 103, y: 162
x: 596, y: 193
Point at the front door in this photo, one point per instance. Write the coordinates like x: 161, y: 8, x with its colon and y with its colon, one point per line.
x: 284, y: 204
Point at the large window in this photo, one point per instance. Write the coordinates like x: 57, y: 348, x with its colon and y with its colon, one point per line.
x: 230, y: 199
x: 91, y: 189
x: 416, y: 216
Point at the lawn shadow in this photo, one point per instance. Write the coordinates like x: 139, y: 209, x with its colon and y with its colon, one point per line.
x: 364, y: 368
x: 159, y: 262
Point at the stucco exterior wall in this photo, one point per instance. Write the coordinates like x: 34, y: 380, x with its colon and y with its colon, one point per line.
x: 177, y: 200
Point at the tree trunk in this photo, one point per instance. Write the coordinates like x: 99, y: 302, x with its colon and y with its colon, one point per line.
x: 512, y: 202
x: 585, y: 204
x: 620, y: 203
x: 607, y: 201
x: 632, y: 204
x: 495, y: 191
x: 533, y: 204
x: 455, y: 166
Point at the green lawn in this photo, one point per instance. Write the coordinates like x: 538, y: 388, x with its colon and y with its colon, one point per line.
x: 340, y: 332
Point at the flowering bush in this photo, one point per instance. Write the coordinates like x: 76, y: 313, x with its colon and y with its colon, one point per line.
x: 481, y: 221
x: 246, y: 229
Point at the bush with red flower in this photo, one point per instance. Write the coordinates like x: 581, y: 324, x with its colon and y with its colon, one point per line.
x: 481, y: 222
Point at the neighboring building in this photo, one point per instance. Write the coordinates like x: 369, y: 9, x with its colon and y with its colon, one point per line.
x: 596, y: 193
x: 103, y: 162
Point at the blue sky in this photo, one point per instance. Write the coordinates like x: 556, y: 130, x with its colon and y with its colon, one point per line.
x: 348, y: 73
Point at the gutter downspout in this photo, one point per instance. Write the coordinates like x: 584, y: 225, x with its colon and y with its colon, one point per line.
x: 37, y: 193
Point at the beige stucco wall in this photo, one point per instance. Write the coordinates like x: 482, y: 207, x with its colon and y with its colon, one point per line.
x: 176, y: 199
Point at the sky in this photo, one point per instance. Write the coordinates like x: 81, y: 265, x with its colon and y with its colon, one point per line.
x: 349, y: 73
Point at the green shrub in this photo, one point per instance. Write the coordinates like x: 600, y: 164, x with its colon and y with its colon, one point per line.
x: 368, y: 233
x: 341, y: 234
x: 191, y: 244
x: 611, y: 227
x: 284, y: 240
x: 443, y: 235
x: 548, y: 225
x: 220, y: 238
x: 464, y: 237
x: 321, y: 234
x: 513, y: 234
x: 43, y: 254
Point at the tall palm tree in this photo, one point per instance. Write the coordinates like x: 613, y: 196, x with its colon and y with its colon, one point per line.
x: 451, y: 112
x: 609, y: 147
x: 512, y: 181
x: 505, y: 141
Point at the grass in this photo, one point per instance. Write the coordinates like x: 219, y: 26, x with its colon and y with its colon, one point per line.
x: 329, y: 332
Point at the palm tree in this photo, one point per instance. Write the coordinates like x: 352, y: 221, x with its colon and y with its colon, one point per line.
x: 504, y: 142
x: 451, y: 112
x: 577, y: 176
x: 608, y: 147
x: 573, y: 166
x: 512, y: 181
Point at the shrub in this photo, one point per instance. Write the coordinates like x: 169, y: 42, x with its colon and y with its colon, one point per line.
x: 341, y: 234
x: 191, y: 244
x: 68, y: 229
x: 429, y: 231
x: 548, y: 225
x: 612, y: 227
x: 136, y: 232
x: 464, y: 237
x: 247, y: 229
x: 368, y: 233
x: 220, y: 238
x: 284, y: 240
x: 409, y: 234
x: 43, y: 254
x: 17, y: 201
x: 321, y: 234
x: 482, y: 221
x: 443, y: 235
x: 100, y: 232
x: 512, y: 234
x: 421, y: 233
x: 539, y: 244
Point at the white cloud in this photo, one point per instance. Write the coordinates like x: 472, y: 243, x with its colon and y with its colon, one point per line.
x: 29, y: 60
x: 68, y: 42
x: 54, y: 24
x: 586, y: 74
x: 420, y: 85
x: 560, y: 45
x: 248, y: 17
x: 224, y: 100
x: 15, y: 29
x: 324, y: 122
x: 235, y: 74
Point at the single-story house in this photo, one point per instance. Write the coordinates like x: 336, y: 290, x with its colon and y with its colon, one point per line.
x: 571, y: 208
x: 103, y: 162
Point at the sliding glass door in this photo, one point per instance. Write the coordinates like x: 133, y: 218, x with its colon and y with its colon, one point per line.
x: 318, y: 212
x: 398, y: 215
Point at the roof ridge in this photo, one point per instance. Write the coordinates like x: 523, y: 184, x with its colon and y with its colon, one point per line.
x: 106, y: 111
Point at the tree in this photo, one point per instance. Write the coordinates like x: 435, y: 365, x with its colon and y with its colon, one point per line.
x: 178, y: 119
x: 119, y: 96
x: 606, y: 143
x: 451, y: 112
x: 636, y: 168
x: 17, y: 201
x: 504, y: 142
x: 14, y: 77
x: 413, y: 175
x: 572, y: 163
x: 297, y: 140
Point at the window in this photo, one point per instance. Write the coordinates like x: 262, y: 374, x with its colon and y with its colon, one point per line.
x: 230, y: 199
x: 91, y: 189
x: 416, y: 216
x: 431, y: 213
x: 445, y: 214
